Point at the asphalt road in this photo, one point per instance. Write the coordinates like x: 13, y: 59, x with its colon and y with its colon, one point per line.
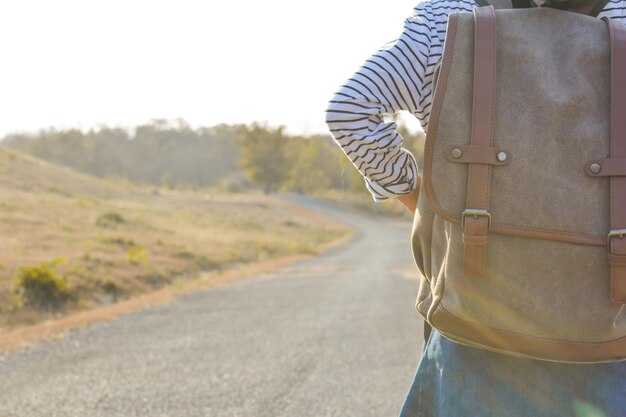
x: 333, y: 335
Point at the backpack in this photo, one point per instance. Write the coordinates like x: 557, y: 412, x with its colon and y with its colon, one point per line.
x: 520, y: 228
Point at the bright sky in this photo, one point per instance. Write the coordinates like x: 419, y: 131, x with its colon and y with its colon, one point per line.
x: 77, y: 63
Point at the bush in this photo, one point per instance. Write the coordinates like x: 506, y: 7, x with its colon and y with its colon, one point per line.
x: 120, y: 241
x: 112, y: 290
x: 184, y: 254
x: 41, y: 287
x: 110, y: 286
x: 110, y: 219
x: 137, y: 255
x: 235, y: 183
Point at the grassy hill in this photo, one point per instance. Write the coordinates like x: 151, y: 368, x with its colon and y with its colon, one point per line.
x: 91, y: 241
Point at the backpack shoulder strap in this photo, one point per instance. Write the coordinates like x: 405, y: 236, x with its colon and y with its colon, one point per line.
x: 507, y: 4
x: 497, y: 4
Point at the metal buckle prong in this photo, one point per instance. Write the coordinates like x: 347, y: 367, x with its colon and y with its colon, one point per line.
x: 614, y: 233
x: 475, y: 213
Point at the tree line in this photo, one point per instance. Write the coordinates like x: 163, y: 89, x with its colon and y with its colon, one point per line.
x: 167, y: 153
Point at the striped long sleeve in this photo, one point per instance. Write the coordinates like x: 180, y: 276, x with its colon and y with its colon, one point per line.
x: 398, y: 77
x: 392, y: 79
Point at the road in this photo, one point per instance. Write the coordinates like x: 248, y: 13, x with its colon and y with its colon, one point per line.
x: 332, y: 335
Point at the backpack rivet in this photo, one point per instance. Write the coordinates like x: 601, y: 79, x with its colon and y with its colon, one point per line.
x: 502, y: 156
x: 595, y: 168
x: 456, y: 153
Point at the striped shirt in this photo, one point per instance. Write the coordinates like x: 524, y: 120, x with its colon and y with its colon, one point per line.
x: 398, y: 77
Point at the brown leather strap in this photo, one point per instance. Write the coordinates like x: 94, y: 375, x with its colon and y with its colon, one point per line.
x: 469, y: 154
x: 611, y: 167
x: 519, y: 344
x: 616, y: 240
x: 476, y: 226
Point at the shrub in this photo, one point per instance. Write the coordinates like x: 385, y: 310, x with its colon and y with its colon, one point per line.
x: 110, y: 286
x: 120, y: 241
x: 137, y: 255
x: 55, y: 189
x: 110, y: 219
x: 184, y: 254
x: 41, y: 287
x: 111, y: 291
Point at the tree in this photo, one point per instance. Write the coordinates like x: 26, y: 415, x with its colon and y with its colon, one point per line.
x: 312, y: 165
x: 263, y: 155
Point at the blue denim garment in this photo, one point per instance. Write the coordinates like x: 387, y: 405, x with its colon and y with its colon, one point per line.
x: 454, y: 380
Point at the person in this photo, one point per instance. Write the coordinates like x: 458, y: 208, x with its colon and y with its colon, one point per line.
x: 454, y: 380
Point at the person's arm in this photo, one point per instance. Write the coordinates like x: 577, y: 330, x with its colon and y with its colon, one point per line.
x: 391, y: 80
x: 409, y: 200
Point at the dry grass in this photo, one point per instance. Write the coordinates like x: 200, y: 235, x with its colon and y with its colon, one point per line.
x: 117, y: 241
x: 24, y: 336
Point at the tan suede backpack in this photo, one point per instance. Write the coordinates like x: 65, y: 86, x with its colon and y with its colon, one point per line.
x: 520, y: 229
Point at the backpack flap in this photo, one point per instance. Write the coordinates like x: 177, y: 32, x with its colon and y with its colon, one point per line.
x: 550, y: 115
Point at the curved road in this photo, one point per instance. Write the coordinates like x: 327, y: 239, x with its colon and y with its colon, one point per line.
x: 333, y: 335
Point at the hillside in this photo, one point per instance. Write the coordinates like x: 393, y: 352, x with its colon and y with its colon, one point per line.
x: 113, y: 240
x: 156, y: 153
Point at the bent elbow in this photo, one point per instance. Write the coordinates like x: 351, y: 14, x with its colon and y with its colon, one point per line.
x: 333, y: 110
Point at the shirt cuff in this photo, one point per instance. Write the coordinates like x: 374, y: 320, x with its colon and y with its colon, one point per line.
x: 405, y: 184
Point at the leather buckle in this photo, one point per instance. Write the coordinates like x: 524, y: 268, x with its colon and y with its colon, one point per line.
x: 614, y: 233
x: 481, y: 212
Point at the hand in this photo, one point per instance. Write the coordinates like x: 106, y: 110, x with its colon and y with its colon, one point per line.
x: 410, y: 200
